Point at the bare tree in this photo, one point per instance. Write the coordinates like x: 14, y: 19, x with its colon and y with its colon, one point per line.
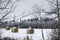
x: 55, y: 4
x: 6, y: 7
x: 38, y: 10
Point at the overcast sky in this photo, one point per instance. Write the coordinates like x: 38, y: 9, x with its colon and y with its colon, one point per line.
x: 25, y: 6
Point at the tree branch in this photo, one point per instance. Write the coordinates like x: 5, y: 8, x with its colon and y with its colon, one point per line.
x: 52, y: 2
x: 7, y: 3
x: 9, y: 11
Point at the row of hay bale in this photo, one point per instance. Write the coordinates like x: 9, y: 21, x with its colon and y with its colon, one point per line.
x: 8, y: 38
x: 24, y: 38
x: 13, y: 29
x: 30, y: 30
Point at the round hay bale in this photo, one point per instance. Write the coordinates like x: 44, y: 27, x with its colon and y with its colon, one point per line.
x: 14, y: 29
x: 30, y: 30
x: 7, y: 28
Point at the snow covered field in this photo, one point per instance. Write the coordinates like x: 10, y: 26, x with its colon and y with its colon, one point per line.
x: 22, y: 33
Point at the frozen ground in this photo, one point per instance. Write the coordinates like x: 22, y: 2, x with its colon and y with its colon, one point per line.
x: 22, y: 33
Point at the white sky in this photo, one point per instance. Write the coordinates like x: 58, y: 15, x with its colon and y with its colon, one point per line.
x: 24, y: 6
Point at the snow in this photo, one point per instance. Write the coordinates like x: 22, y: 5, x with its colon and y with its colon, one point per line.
x: 22, y: 33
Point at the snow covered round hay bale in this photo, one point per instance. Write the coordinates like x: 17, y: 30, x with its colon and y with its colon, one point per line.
x: 7, y: 28
x: 30, y: 30
x: 14, y: 29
